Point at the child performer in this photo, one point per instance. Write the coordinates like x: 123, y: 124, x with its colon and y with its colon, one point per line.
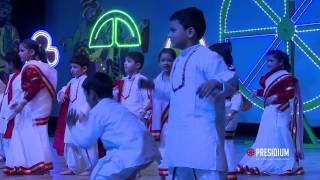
x: 127, y: 91
x: 79, y: 161
x: 130, y: 147
x: 12, y: 92
x: 29, y: 151
x: 160, y: 107
x: 278, y: 130
x: 199, y: 81
x: 233, y: 105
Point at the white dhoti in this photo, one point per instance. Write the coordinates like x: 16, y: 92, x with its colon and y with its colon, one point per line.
x: 79, y: 159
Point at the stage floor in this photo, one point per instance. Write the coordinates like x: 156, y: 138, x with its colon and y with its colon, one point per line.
x: 311, y: 166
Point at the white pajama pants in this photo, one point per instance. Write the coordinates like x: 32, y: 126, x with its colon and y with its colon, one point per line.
x: 78, y: 159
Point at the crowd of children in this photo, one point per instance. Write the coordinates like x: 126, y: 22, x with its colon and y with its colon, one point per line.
x: 185, y: 119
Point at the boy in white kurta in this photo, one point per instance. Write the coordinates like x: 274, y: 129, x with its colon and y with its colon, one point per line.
x: 126, y: 90
x: 130, y: 147
x: 11, y: 93
x: 79, y: 160
x: 199, y: 83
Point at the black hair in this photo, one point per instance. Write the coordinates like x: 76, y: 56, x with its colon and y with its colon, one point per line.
x: 191, y: 17
x: 100, y: 83
x: 14, y: 59
x: 80, y: 59
x: 281, y: 57
x: 168, y: 51
x: 225, y: 50
x: 38, y: 49
x: 137, y: 57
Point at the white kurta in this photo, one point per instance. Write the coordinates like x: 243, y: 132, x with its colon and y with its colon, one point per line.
x: 134, y: 98
x: 233, y: 104
x: 122, y: 134
x: 158, y: 129
x: 196, y: 126
x: 77, y: 158
x: 30, y: 149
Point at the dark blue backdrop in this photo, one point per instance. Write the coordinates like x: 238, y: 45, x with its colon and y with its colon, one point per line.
x: 63, y: 17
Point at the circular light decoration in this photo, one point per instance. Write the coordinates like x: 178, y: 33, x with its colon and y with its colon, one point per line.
x: 168, y: 43
x: 45, y: 40
x: 285, y: 29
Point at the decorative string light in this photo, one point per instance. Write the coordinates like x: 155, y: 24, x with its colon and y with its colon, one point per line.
x: 267, y: 31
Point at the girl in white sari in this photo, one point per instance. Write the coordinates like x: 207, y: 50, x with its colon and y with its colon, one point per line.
x: 29, y: 151
x: 279, y: 143
x: 160, y: 107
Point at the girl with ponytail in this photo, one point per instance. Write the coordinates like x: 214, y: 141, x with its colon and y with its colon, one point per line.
x: 29, y: 151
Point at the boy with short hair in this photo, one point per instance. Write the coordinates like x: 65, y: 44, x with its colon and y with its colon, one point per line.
x: 130, y: 146
x: 127, y: 91
x: 199, y: 82
x: 79, y: 160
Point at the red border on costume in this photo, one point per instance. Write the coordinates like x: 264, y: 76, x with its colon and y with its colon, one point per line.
x: 163, y: 172
x: 20, y: 170
x: 42, y: 121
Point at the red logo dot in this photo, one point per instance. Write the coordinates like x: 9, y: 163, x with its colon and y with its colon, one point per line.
x: 250, y: 152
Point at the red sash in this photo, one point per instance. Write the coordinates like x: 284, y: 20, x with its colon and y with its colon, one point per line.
x: 45, y: 80
x: 58, y: 142
x: 119, y: 84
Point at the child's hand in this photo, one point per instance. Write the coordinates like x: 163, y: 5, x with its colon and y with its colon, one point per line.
x: 230, y: 116
x: 271, y: 99
x: 206, y: 88
x: 142, y: 115
x: 13, y: 105
x: 18, y: 106
x: 63, y: 97
x: 72, y: 118
x: 82, y: 117
x: 145, y: 84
